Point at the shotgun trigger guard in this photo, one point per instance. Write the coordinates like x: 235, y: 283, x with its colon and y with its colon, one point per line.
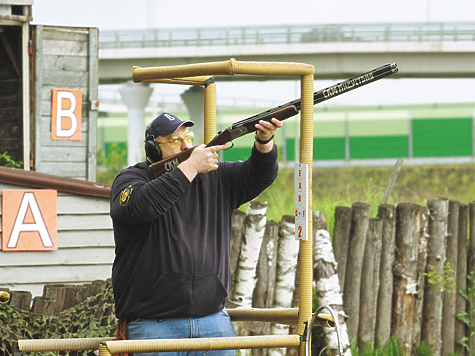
x: 232, y: 145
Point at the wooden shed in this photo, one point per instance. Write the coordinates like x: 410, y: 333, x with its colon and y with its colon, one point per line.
x: 85, y: 250
x: 48, y: 94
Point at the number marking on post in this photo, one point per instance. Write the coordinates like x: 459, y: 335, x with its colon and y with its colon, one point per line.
x: 301, y: 202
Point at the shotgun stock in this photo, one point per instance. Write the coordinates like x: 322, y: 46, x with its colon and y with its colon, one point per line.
x: 281, y: 112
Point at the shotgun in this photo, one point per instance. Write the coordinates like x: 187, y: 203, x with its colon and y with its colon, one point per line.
x: 281, y: 112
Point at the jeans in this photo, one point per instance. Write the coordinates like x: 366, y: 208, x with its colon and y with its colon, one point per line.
x: 214, y: 325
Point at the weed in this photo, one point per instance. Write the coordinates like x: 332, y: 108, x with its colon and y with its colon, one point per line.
x: 467, y: 317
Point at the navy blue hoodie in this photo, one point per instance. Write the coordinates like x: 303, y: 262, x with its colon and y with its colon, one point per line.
x: 173, y: 237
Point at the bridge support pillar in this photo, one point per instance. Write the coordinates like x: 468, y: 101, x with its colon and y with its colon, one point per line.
x: 135, y: 96
x: 194, y: 102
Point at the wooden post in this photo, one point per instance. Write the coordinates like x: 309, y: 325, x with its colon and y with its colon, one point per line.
x: 328, y: 286
x: 43, y: 305
x: 21, y: 299
x: 449, y: 296
x: 341, y: 238
x: 471, y: 246
x: 98, y: 286
x: 387, y: 214
x: 405, y: 279
x: 421, y: 268
x: 351, y: 295
x: 76, y: 294
x: 370, y: 283
x: 432, y: 309
x: 56, y: 292
x: 461, y: 276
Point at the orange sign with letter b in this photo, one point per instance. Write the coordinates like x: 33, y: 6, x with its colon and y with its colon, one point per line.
x: 66, y: 114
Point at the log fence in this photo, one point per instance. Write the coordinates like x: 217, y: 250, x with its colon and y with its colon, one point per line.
x: 374, y: 272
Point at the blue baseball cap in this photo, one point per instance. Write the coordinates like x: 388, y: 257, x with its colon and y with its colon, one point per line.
x: 165, y: 124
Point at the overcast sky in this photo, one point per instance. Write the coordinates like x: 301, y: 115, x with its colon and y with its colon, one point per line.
x: 137, y: 14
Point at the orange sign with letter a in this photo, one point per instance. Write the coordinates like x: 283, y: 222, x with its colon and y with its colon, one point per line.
x: 29, y: 220
x: 66, y: 114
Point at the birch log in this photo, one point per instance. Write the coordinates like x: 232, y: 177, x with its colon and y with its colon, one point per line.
x: 421, y: 268
x: 351, y: 295
x: 370, y: 284
x: 405, y: 279
x: 287, y: 256
x: 328, y: 289
x: 254, y: 228
x: 461, y: 279
x: 432, y: 309
x: 341, y: 238
x: 263, y: 296
x: 387, y: 214
x: 448, y: 308
x: 237, y: 226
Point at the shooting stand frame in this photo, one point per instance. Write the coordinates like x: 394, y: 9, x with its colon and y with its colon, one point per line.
x: 203, y: 74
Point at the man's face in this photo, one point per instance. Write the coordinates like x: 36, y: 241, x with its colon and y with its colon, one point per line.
x: 169, y: 146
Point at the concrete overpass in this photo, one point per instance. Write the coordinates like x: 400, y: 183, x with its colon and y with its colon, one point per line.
x: 421, y: 50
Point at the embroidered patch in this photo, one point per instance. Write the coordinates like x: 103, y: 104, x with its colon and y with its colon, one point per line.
x: 125, y: 195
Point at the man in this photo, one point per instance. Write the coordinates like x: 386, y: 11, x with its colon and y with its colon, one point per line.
x: 171, y: 274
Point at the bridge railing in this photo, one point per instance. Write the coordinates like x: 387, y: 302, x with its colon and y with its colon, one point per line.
x: 290, y: 34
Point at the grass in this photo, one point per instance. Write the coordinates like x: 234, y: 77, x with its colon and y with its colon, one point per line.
x: 344, y: 186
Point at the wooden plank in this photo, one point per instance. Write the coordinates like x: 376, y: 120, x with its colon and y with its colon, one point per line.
x: 84, y: 222
x: 76, y: 204
x: 65, y: 169
x: 79, y: 238
x: 62, y: 79
x: 64, y: 34
x: 38, y: 84
x: 92, y: 110
x: 66, y: 63
x: 47, y: 92
x: 64, y: 154
x: 53, y: 274
x: 60, y: 257
x: 65, y: 48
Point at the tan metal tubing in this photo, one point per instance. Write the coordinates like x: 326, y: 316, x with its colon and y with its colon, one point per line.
x: 210, y: 113
x: 306, y: 249
x: 187, y: 70
x: 229, y: 67
x: 201, y: 80
x: 203, y: 344
x: 103, y: 350
x: 287, y: 316
x: 61, y: 344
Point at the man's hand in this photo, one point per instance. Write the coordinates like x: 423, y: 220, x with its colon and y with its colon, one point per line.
x: 265, y: 131
x: 203, y: 159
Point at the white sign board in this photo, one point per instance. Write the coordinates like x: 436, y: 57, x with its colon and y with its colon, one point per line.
x: 301, y: 202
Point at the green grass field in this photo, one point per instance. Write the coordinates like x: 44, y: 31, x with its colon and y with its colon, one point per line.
x: 344, y: 186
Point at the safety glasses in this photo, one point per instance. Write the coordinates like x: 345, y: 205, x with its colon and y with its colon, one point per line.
x: 178, y: 140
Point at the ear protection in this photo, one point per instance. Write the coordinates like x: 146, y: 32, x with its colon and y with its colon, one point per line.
x: 152, y: 148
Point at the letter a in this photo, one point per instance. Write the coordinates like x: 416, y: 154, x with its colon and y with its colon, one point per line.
x: 39, y: 225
